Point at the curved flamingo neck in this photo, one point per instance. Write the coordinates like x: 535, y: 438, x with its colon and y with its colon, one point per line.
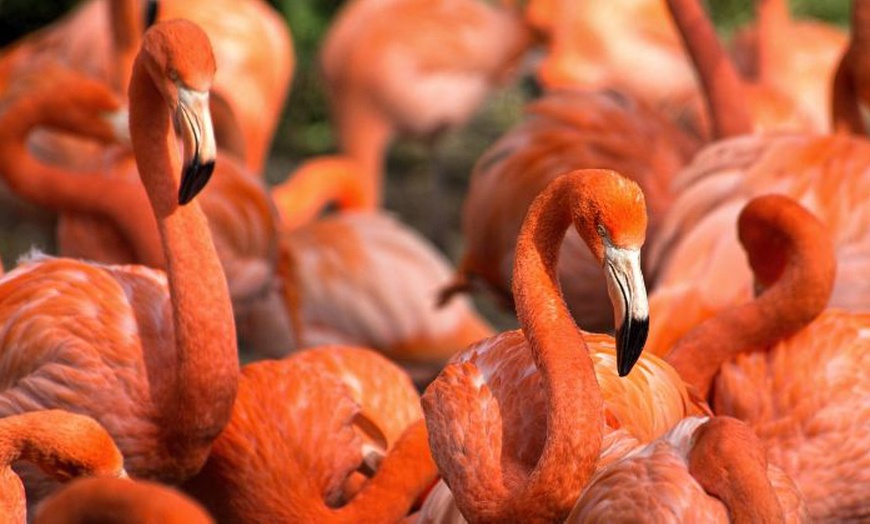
x: 195, y: 401
x: 847, y: 91
x: 730, y: 463
x: 793, y: 259
x: 724, y: 89
x: 574, y: 402
x: 63, y: 191
x: 315, y: 184
x: 406, y: 472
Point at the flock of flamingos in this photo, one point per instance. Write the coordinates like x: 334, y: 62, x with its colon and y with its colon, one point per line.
x: 727, y: 182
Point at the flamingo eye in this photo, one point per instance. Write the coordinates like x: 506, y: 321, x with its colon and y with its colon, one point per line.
x: 173, y: 75
x: 602, y: 232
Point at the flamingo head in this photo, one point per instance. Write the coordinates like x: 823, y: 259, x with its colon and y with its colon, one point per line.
x: 179, y: 58
x: 613, y: 223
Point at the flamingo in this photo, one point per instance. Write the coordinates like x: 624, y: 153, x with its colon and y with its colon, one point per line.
x: 412, y: 67
x: 824, y: 173
x: 251, y: 42
x: 784, y: 362
x: 565, y: 130
x: 109, y: 500
x: 63, y: 444
x: 516, y: 421
x: 151, y: 356
x: 301, y: 429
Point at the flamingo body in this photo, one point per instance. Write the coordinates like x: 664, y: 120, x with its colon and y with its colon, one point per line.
x: 365, y: 279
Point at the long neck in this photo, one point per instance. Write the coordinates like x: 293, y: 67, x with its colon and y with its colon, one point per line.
x: 773, y: 19
x: 799, y: 288
x: 63, y: 191
x: 574, y: 403
x: 315, y: 184
x: 729, y: 462
x: 196, y: 400
x: 846, y: 102
x: 405, y: 473
x: 127, y: 20
x: 725, y: 92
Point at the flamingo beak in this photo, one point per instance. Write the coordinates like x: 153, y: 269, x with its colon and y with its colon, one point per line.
x: 193, y: 121
x: 627, y: 291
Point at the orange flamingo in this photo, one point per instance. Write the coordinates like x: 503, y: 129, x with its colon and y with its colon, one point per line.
x: 116, y: 501
x: 62, y: 444
x: 151, y: 356
x: 565, y: 130
x: 825, y: 173
x: 784, y: 364
x: 251, y: 42
x: 516, y: 421
x: 301, y: 429
x: 702, y: 470
x: 412, y: 67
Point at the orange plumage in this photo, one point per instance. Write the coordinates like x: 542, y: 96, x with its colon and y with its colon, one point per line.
x: 302, y: 430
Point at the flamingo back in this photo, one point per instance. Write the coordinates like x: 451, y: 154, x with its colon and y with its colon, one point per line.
x: 365, y: 279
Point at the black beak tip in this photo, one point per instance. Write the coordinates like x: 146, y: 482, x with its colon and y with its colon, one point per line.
x: 630, y: 339
x: 152, y: 9
x: 195, y: 176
